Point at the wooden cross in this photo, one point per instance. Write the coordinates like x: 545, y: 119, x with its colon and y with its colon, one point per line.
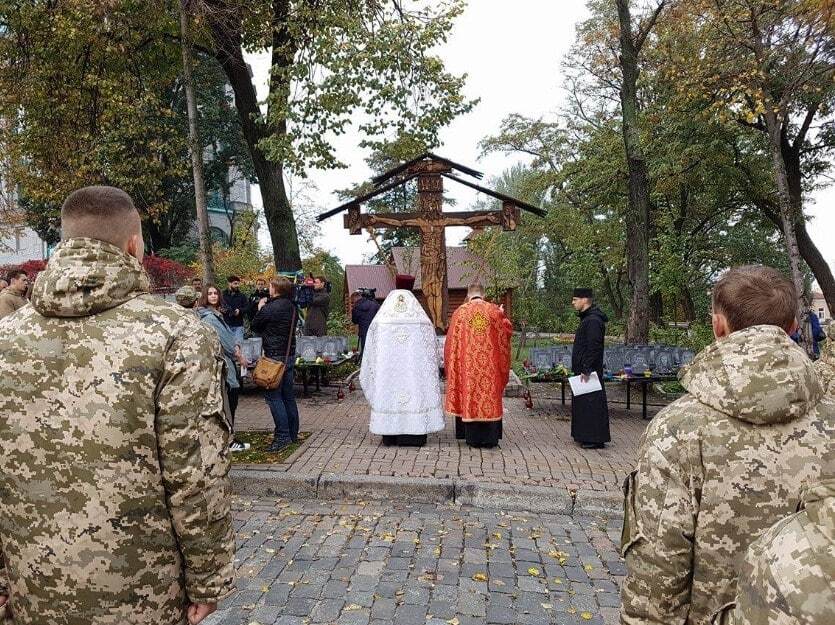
x: 431, y: 221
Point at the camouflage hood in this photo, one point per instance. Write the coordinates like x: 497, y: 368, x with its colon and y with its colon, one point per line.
x: 85, y: 277
x: 757, y: 375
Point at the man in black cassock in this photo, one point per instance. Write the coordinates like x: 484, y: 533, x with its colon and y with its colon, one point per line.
x: 589, y: 412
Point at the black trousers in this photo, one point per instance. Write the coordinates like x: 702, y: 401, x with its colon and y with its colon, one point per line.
x: 405, y: 440
x: 479, y: 434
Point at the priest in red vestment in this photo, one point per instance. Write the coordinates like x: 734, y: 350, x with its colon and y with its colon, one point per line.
x: 477, y: 363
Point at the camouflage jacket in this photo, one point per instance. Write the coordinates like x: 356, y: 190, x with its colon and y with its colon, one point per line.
x: 114, y: 501
x: 715, y: 469
x: 825, y: 365
x: 10, y: 301
x: 788, y: 576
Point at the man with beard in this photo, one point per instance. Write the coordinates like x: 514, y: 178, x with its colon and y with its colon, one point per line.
x: 236, y: 305
x: 589, y: 412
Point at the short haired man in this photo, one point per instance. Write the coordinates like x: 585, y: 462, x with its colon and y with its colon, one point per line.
x: 720, y: 465
x: 197, y: 284
x: 114, y: 500
x: 589, y: 412
x: 13, y: 296
x: 316, y: 322
x: 477, y: 362
x: 237, y: 305
x: 261, y: 292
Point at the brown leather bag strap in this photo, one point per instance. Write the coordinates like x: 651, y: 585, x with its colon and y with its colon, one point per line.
x: 290, y: 336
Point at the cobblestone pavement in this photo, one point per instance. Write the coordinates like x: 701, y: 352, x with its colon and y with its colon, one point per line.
x: 536, y: 448
x: 358, y: 563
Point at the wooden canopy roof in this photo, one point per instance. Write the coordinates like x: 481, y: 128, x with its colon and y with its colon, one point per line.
x: 427, y: 163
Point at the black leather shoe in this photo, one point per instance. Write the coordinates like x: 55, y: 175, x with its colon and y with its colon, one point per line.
x: 276, y: 446
x: 593, y: 445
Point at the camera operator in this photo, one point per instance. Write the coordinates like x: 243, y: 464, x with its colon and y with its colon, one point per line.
x: 316, y: 322
x: 364, y: 307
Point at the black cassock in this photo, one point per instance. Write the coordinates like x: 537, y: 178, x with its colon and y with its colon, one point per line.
x: 589, y: 412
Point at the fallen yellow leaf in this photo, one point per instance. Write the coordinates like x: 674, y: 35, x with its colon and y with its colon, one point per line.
x: 586, y: 616
x: 454, y: 621
x: 265, y: 588
x: 557, y: 580
x: 351, y: 607
x: 588, y: 567
x: 533, y: 571
x: 479, y: 577
x: 547, y: 606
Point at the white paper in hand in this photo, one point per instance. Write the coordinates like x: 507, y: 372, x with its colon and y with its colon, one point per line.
x: 578, y: 387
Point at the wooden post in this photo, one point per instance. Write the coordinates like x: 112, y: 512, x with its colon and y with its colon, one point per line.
x: 433, y: 261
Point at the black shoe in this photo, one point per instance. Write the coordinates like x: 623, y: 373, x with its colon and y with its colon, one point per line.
x: 593, y: 445
x: 277, y: 446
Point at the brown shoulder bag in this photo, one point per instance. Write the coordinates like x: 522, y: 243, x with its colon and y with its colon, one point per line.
x: 269, y: 372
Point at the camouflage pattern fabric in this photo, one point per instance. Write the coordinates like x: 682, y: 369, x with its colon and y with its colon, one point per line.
x: 114, y: 498
x: 788, y: 576
x: 716, y: 468
x: 186, y: 296
x: 825, y: 365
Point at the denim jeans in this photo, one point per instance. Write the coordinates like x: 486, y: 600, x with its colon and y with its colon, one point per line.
x: 282, y: 403
x: 238, y: 333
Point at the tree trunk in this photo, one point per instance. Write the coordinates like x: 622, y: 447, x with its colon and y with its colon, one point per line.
x: 203, y: 231
x: 808, y: 250
x: 637, y: 212
x: 787, y: 213
x: 277, y: 210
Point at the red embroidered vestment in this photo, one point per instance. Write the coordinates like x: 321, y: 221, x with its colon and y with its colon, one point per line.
x: 477, y: 361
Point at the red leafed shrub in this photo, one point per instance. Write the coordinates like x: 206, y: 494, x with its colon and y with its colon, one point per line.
x: 166, y: 274
x: 31, y: 267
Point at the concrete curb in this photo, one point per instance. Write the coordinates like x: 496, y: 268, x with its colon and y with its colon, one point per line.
x: 508, y: 497
x: 329, y: 486
x: 597, y: 503
x: 420, y: 490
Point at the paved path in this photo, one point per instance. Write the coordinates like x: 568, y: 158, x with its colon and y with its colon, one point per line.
x: 358, y: 563
x: 537, y: 448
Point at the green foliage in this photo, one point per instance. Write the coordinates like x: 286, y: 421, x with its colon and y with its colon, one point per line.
x: 696, y: 337
x: 373, y: 62
x: 244, y: 257
x: 96, y: 95
x: 185, y: 253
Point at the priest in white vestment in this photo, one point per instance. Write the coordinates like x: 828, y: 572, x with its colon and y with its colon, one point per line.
x: 399, y: 373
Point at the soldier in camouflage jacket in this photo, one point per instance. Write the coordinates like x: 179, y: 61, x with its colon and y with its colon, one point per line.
x: 788, y: 576
x: 716, y: 468
x: 826, y: 363
x: 114, y: 502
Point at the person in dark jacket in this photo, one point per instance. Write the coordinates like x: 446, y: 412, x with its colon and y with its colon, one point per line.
x: 363, y: 310
x: 589, y: 412
x: 275, y: 323
x: 316, y: 322
x: 261, y: 292
x: 236, y: 306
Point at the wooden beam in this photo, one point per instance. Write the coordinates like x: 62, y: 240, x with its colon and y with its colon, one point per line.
x: 363, y: 198
x: 427, y: 156
x: 499, y: 196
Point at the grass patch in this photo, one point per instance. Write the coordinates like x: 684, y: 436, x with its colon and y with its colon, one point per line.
x: 258, y: 454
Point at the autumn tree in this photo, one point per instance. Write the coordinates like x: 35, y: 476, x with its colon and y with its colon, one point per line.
x: 332, y: 65
x: 770, y: 67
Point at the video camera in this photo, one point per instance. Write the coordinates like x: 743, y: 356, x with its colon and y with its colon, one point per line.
x: 303, y: 290
x: 367, y: 293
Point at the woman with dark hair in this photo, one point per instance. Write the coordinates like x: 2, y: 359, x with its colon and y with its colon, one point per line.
x: 209, y: 309
x: 275, y: 322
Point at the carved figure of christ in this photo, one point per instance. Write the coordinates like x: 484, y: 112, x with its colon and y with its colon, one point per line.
x: 433, y: 261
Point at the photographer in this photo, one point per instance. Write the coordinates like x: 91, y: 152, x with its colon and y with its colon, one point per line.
x: 316, y: 322
x: 364, y: 307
